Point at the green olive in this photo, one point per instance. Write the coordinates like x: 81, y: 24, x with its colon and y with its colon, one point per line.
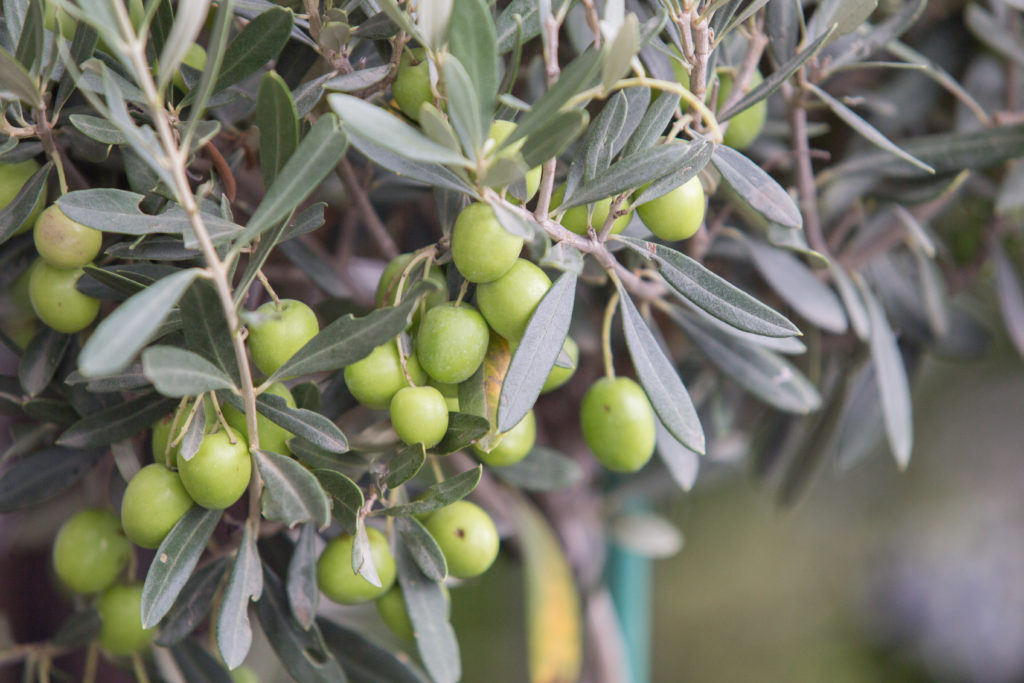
x: 515, y: 444
x: 284, y: 330
x: 500, y: 131
x: 120, y: 609
x: 618, y: 423
x: 412, y: 84
x: 387, y: 287
x: 452, y: 342
x: 508, y: 302
x: 467, y: 536
x: 273, y: 437
x: 90, y: 550
x: 744, y: 127
x: 12, y: 178
x: 375, y: 379
x: 575, y: 219
x: 153, y: 502
x: 559, y: 375
x: 482, y: 250
x: 419, y: 415
x: 64, y: 243
x: 340, y: 583
x: 56, y: 300
x: 218, y: 474
x: 676, y: 215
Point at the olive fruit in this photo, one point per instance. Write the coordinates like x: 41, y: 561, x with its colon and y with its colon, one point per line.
x: 153, y: 502
x: 273, y: 437
x: 218, y: 474
x: 467, y: 536
x: 515, y: 444
x: 64, y: 243
x: 374, y: 379
x: 676, y: 215
x: 392, y: 611
x: 508, y: 302
x: 452, y: 342
x: 412, y: 83
x: 746, y: 126
x: 120, y: 609
x: 90, y: 551
x: 12, y: 178
x: 56, y: 301
x: 575, y: 219
x: 500, y: 131
x: 618, y: 423
x: 387, y: 287
x: 244, y: 674
x: 195, y: 57
x: 559, y: 375
x: 161, y: 435
x: 284, y: 330
x: 481, y: 249
x: 21, y: 323
x: 340, y: 583
x: 419, y: 415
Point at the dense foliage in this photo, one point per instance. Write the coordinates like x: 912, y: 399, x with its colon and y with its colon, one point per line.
x: 287, y: 282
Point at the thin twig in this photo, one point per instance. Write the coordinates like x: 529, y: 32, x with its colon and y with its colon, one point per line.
x: 355, y: 191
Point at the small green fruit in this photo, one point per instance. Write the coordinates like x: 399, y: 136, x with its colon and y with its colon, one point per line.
x: 452, y: 342
x: 618, y: 423
x: 467, y: 536
x: 559, y: 375
x: 56, y: 301
x: 676, y: 215
x: 64, y: 243
x: 412, y: 84
x: 90, y: 551
x: 195, y: 58
x: 120, y: 609
x: 273, y: 437
x: 392, y: 611
x: 218, y: 474
x: 283, y: 331
x: 375, y: 379
x: 12, y: 178
x: 508, y: 302
x: 419, y: 415
x: 515, y: 444
x: 746, y: 126
x: 153, y: 502
x: 482, y: 250
x: 500, y: 131
x: 387, y: 287
x: 575, y: 219
x: 244, y: 674
x: 340, y: 583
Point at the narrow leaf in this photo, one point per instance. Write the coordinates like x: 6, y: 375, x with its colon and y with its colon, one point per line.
x: 422, y: 548
x: 659, y: 378
x: 463, y: 430
x: 364, y: 661
x: 405, y: 464
x: 193, y: 604
x: 176, y: 372
x: 438, y: 495
x: 41, y: 358
x: 278, y: 123
x: 234, y: 634
x: 347, y: 496
x: 175, y: 560
x: 428, y: 612
x: 43, y: 475
x: 293, y: 495
x: 117, y: 339
x: 681, y: 462
x: 14, y: 215
x: 472, y: 39
x: 116, y: 423
x: 256, y: 45
x: 303, y: 592
x: 537, y: 351
x: 755, y: 187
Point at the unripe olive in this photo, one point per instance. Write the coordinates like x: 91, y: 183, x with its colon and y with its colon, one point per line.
x: 515, y: 444
x: 500, y: 131
x: 195, y: 57
x: 273, y: 437
x: 56, y: 301
x: 676, y: 215
x: 64, y: 243
x: 452, y: 342
x: 559, y: 375
x: 508, y: 302
x: 746, y: 126
x: 285, y: 330
x: 374, y: 379
x: 387, y: 287
x: 120, y: 609
x: 392, y: 611
x: 12, y: 178
x: 481, y: 249
x: 419, y: 415
x: 618, y: 423
x: 467, y: 536
x: 153, y: 502
x: 90, y: 551
x: 575, y: 219
x: 218, y: 474
x: 340, y: 583
x: 412, y: 83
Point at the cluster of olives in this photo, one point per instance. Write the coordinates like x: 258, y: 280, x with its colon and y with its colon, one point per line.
x: 65, y: 247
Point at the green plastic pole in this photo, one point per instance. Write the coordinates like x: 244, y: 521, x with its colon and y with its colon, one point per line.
x: 629, y: 579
